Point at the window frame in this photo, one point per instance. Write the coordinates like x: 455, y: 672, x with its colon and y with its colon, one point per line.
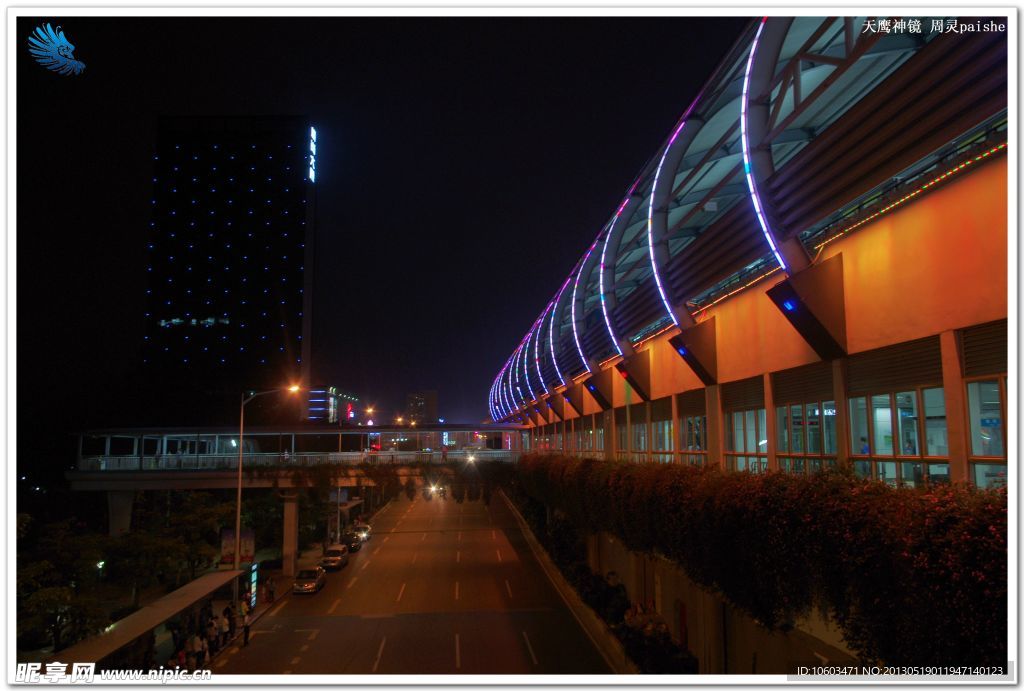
x: 896, y: 457
x: 1002, y: 380
x: 824, y: 459
x: 732, y: 455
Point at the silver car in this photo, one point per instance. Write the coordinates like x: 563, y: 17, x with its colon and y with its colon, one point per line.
x: 335, y: 557
x: 310, y: 580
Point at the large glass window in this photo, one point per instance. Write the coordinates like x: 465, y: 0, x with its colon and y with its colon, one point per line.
x: 885, y: 426
x: 621, y: 433
x: 662, y: 437
x: 807, y: 436
x: 986, y: 406
x: 747, y: 440
x: 694, y: 443
x: 638, y: 429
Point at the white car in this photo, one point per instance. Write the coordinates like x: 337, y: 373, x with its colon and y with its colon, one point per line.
x: 335, y: 557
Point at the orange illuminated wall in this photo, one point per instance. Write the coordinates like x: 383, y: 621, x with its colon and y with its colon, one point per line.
x: 937, y: 264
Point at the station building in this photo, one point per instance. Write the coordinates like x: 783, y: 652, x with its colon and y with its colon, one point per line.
x: 812, y: 270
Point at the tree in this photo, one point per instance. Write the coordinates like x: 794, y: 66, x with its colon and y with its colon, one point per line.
x: 197, y: 521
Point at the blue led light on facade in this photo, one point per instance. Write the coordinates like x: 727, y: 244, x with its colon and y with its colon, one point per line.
x: 681, y: 351
x: 789, y: 305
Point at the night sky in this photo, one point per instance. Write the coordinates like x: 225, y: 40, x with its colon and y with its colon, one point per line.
x: 463, y: 166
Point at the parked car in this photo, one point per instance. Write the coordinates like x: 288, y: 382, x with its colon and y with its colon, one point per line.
x: 352, y: 540
x: 335, y: 557
x: 310, y: 580
x: 363, y: 530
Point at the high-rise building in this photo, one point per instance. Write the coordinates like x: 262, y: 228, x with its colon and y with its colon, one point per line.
x: 421, y: 406
x: 230, y: 255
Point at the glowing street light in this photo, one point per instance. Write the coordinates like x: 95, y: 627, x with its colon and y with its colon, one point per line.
x: 294, y: 388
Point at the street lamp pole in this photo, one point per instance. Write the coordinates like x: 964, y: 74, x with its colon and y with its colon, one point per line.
x: 238, y: 498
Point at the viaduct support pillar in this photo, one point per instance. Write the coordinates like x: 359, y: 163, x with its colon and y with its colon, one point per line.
x: 290, y: 549
x: 119, y: 511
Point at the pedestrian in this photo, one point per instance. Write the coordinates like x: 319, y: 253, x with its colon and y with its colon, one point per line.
x: 198, y: 649
x: 205, y: 651
x: 243, y: 606
x: 246, y: 623
x: 223, y: 630
x: 213, y: 635
x: 272, y: 588
x: 190, y: 654
x: 232, y: 621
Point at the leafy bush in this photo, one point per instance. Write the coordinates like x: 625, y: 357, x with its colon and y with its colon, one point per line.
x: 912, y: 577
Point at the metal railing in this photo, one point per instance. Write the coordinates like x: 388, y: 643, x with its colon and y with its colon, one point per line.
x: 230, y: 461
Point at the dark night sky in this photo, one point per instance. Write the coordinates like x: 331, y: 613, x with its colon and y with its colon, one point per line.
x: 464, y: 166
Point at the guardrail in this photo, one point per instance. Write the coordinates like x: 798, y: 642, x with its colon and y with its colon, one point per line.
x: 230, y: 461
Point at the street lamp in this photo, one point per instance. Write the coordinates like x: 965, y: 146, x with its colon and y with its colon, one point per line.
x: 294, y: 388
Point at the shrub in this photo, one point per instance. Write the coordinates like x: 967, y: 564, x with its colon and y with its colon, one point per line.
x: 912, y: 577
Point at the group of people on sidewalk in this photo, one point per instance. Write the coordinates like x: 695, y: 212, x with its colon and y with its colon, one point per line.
x: 197, y: 642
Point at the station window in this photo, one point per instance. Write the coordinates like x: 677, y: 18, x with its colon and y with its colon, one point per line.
x: 638, y: 430
x: 693, y: 429
x: 900, y: 437
x: 806, y: 436
x: 747, y: 435
x: 662, y: 437
x: 586, y: 430
x: 621, y: 433
x: 986, y: 405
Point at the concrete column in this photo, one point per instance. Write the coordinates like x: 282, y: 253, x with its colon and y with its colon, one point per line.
x: 290, y: 549
x: 769, y: 421
x: 716, y: 426
x: 842, y: 413
x: 119, y: 511
x: 956, y: 405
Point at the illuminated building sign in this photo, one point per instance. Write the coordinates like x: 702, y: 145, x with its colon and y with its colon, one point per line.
x: 312, y: 154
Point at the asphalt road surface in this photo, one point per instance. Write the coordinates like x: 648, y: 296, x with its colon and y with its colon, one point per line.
x: 440, y: 588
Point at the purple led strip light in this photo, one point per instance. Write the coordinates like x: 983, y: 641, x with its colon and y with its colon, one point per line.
x: 551, y: 331
x: 536, y: 349
x: 515, y: 372
x: 575, y: 286
x: 526, y: 363
x: 604, y: 249
x: 754, y: 196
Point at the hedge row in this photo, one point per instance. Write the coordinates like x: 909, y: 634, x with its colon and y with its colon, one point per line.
x: 652, y: 652
x: 911, y: 577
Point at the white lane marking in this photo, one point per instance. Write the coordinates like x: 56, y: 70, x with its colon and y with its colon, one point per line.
x: 458, y: 659
x: 352, y: 582
x: 529, y: 647
x: 414, y: 557
x: 380, y: 651
x: 460, y: 536
x: 385, y: 540
x: 498, y: 552
x: 458, y: 556
x: 400, y: 591
x: 295, y: 661
x: 312, y: 636
x: 221, y: 663
x: 375, y: 551
x: 493, y: 536
x: 456, y: 590
x: 363, y: 567
x: 509, y: 589
x: 279, y: 608
x: 424, y: 537
x: 334, y: 606
x: 304, y: 648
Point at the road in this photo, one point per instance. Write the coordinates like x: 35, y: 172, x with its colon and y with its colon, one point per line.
x: 440, y: 588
